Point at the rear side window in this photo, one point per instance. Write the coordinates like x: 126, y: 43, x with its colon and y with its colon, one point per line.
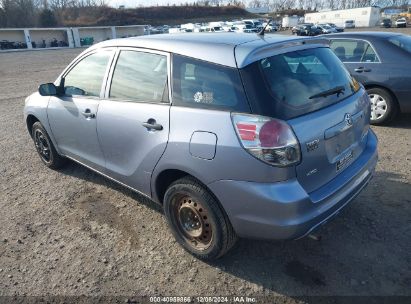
x: 402, y: 41
x: 353, y: 50
x: 86, y: 78
x: 140, y: 77
x: 202, y: 84
x: 296, y: 83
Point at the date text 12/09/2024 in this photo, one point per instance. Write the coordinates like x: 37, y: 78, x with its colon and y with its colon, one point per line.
x: 231, y: 299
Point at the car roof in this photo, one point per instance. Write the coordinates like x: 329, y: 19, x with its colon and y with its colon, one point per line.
x: 217, y: 48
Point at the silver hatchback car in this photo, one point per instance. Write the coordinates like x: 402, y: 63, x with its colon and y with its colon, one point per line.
x: 235, y: 135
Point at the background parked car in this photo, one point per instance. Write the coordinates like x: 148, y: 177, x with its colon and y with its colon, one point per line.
x: 402, y: 22
x: 307, y: 29
x: 380, y: 61
x: 349, y: 24
x: 387, y: 23
x: 272, y: 27
x: 326, y: 29
x: 337, y: 28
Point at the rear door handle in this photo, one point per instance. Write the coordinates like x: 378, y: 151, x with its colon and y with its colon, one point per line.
x: 362, y: 69
x: 87, y: 114
x: 152, y: 125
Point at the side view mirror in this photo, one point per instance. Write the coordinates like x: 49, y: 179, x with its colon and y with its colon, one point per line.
x: 47, y: 89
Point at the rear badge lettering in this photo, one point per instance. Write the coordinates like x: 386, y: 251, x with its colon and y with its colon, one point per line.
x: 312, y: 145
x: 313, y: 171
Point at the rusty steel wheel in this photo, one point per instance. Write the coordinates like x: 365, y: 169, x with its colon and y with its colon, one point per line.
x: 193, y: 222
x: 197, y: 220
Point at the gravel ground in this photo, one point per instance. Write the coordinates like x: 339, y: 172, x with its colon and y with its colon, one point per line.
x: 73, y: 232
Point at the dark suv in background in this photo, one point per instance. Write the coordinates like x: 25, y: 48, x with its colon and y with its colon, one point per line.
x: 306, y: 29
x: 387, y: 23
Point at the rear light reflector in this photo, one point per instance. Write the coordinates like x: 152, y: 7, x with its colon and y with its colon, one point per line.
x: 246, y: 131
x: 270, y: 140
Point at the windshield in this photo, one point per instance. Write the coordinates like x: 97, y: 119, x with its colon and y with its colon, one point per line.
x: 402, y: 41
x: 296, y: 83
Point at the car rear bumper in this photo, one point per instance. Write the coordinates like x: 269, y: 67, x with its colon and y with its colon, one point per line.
x: 285, y: 210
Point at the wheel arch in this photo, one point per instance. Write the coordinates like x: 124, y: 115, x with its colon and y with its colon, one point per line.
x: 166, y: 177
x: 30, y: 121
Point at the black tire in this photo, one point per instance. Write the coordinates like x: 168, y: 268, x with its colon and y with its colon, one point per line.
x: 390, y: 106
x: 188, y: 194
x: 45, y: 148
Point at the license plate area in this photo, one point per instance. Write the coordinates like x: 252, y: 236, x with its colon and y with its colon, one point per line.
x: 339, y: 144
x: 344, y: 161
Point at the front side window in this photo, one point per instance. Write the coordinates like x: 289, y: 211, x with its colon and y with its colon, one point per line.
x: 353, y: 50
x: 296, y: 83
x: 140, y: 77
x: 86, y: 78
x: 198, y: 83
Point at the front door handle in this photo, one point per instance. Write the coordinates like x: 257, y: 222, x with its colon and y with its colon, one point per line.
x: 362, y: 69
x: 87, y: 114
x: 151, y: 124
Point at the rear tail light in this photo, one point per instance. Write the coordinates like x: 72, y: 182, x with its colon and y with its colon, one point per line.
x: 365, y: 103
x: 270, y: 140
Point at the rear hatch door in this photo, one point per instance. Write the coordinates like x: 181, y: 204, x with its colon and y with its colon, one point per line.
x: 330, y: 139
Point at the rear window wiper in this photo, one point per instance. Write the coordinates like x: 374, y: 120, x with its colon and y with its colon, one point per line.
x: 337, y: 90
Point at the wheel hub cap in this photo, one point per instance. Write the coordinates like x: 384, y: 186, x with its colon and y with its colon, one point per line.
x: 42, y: 145
x: 378, y: 106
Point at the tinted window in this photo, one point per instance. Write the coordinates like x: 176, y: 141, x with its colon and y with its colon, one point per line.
x: 198, y: 83
x: 87, y: 76
x: 353, y: 50
x: 401, y: 41
x: 291, y: 84
x: 140, y: 76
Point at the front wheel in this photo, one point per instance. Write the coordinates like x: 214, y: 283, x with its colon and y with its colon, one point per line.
x: 383, y: 106
x: 45, y: 147
x: 197, y: 221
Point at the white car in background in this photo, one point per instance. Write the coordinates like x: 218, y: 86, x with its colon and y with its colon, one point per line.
x: 243, y: 28
x: 402, y: 22
x: 272, y: 27
x: 349, y: 24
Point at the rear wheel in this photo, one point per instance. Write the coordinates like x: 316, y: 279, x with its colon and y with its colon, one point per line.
x: 197, y: 220
x: 45, y: 147
x: 383, y: 106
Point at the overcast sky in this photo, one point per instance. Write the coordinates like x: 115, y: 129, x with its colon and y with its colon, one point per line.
x: 134, y: 3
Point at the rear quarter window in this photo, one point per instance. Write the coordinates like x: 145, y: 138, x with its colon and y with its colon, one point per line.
x: 402, y: 41
x: 202, y: 84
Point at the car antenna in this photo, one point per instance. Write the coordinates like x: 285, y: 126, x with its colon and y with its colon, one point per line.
x: 261, y: 33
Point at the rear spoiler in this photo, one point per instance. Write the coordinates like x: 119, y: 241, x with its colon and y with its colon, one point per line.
x: 245, y: 57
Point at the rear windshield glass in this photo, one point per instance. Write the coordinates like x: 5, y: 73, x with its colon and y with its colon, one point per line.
x: 401, y: 41
x: 293, y: 84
